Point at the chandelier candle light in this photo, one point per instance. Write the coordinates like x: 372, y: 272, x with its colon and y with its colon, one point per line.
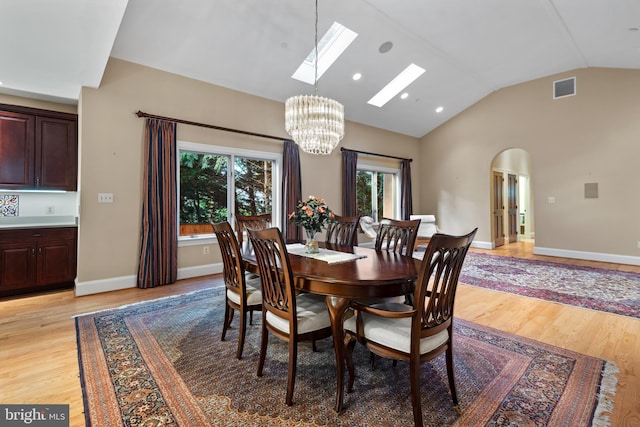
x: 315, y: 123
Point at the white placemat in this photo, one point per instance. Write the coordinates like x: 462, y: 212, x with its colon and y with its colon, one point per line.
x: 326, y: 255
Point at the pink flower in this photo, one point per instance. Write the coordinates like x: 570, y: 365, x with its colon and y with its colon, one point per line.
x: 320, y: 209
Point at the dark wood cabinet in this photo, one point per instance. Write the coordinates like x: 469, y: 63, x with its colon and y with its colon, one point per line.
x: 37, y: 259
x: 38, y: 149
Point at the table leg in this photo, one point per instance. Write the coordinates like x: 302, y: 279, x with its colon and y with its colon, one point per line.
x: 337, y: 307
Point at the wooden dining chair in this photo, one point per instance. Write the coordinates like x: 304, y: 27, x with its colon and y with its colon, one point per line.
x: 243, y: 291
x: 343, y: 231
x: 248, y: 222
x: 423, y: 332
x: 290, y: 317
x: 397, y: 236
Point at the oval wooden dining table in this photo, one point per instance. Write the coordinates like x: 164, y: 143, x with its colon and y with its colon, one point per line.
x: 375, y: 274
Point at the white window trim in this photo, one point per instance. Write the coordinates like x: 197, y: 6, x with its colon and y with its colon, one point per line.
x: 205, y: 239
x: 371, y: 167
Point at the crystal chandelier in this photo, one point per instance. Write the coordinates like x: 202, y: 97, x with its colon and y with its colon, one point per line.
x: 315, y: 123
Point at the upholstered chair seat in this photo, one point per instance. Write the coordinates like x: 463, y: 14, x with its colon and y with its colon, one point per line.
x: 394, y: 333
x: 312, y: 315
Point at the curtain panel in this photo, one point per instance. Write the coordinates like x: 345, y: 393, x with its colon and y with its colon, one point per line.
x: 291, y: 189
x: 349, y: 173
x: 406, y: 198
x: 158, y: 264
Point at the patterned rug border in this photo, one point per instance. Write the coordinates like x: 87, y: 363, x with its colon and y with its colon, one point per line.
x: 606, y: 385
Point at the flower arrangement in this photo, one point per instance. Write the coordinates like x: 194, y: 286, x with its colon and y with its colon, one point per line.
x: 312, y: 214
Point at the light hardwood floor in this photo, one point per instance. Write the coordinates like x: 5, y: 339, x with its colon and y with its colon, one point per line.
x: 38, y: 353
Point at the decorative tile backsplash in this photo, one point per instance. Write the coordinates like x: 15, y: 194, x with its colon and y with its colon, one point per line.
x: 9, y: 204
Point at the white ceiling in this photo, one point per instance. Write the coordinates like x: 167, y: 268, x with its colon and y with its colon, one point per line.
x: 469, y: 48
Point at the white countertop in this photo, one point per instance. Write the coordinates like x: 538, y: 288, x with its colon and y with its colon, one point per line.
x: 37, y: 221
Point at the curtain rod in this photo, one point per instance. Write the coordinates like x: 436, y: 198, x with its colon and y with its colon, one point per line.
x: 204, y: 125
x: 374, y: 154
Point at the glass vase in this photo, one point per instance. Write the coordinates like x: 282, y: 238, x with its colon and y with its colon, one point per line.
x: 311, y: 244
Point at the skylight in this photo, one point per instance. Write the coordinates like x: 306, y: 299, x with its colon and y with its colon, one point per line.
x: 396, y: 85
x: 330, y: 47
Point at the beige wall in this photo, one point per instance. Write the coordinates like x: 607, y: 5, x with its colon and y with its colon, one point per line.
x: 111, y: 155
x: 590, y: 137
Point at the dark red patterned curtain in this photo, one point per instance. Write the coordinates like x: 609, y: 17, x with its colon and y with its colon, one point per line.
x: 159, y: 234
x: 349, y: 172
x: 291, y: 189
x: 406, y: 199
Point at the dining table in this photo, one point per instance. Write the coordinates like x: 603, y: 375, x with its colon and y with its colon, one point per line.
x: 344, y: 274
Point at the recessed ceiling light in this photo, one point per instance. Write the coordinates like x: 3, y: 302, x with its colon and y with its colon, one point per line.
x: 440, y: 109
x: 394, y: 87
x: 330, y: 47
x: 357, y: 76
x: 404, y: 95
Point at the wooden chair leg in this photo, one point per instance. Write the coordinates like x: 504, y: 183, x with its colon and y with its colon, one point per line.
x: 450, y: 374
x: 313, y: 346
x: 291, y: 377
x: 263, y: 346
x: 414, y: 374
x: 241, y: 334
x: 228, y: 316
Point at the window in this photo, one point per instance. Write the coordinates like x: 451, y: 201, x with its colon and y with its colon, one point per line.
x: 377, y: 191
x: 215, y: 182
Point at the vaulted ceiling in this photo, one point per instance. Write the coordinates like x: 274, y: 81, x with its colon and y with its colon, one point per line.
x: 469, y: 48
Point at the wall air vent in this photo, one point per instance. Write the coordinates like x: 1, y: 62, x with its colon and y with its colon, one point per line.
x: 562, y: 88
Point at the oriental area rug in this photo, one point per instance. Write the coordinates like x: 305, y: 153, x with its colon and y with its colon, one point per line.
x: 599, y: 289
x: 162, y: 363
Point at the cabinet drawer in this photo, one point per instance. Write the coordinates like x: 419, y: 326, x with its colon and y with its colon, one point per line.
x: 31, y: 234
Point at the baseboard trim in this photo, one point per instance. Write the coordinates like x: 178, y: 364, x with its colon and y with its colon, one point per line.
x: 125, y: 282
x: 104, y: 285
x: 482, y: 245
x: 199, y: 270
x: 589, y: 256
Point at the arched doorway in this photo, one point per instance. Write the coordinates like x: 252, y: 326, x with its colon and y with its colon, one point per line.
x: 511, y: 199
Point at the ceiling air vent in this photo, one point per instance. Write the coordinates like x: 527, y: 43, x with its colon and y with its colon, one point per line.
x: 562, y: 88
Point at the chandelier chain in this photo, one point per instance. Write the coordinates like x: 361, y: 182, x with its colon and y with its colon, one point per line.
x: 315, y: 61
x: 315, y: 123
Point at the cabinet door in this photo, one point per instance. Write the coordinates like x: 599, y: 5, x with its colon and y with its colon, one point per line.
x: 17, y: 266
x: 56, y: 154
x: 56, y: 262
x: 17, y: 145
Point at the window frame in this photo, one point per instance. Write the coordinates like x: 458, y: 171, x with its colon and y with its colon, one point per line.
x: 365, y: 166
x: 231, y: 152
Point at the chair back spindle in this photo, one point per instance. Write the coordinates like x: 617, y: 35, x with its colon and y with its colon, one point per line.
x: 343, y: 231
x: 397, y: 236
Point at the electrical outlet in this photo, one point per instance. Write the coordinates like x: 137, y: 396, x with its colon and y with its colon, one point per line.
x: 50, y: 210
x: 205, y: 250
x: 105, y: 197
x: 551, y: 199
